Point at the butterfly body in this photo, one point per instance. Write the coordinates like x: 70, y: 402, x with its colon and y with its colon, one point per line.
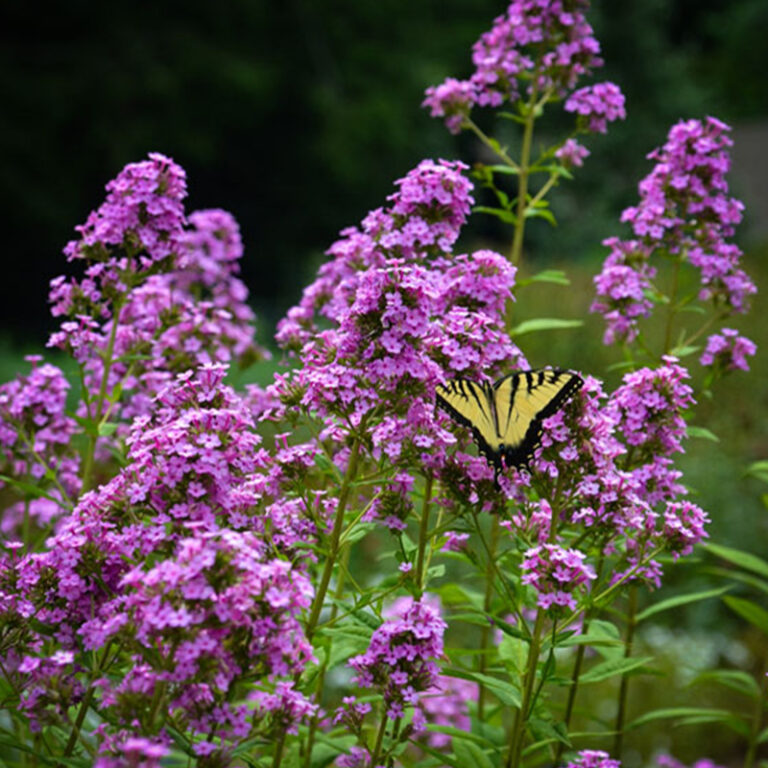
x: 506, y: 417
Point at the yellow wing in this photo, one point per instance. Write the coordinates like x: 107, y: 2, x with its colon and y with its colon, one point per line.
x: 522, y: 401
x: 506, y: 419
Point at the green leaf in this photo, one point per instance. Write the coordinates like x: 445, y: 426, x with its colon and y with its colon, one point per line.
x: 506, y: 169
x: 28, y: 490
x: 360, y: 531
x: 514, y: 651
x: 701, y: 432
x: 505, y: 692
x: 683, y: 351
x: 674, y: 602
x: 453, y: 594
x: 672, y: 713
x: 613, y: 667
x: 327, y: 467
x: 544, y: 324
x: 541, y: 213
x: 735, y: 679
x: 748, y: 610
x: 557, y: 276
x: 763, y: 737
x: 740, y: 576
x: 758, y: 469
x: 90, y: 426
x: 107, y: 428
x: 469, y: 753
x: 590, y: 639
x: 506, y: 216
x: 742, y: 559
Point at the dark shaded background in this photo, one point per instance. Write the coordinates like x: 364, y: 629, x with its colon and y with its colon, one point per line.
x: 298, y: 116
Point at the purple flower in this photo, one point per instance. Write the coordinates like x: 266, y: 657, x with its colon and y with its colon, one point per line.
x: 572, y: 154
x: 727, y: 351
x: 555, y: 573
x: 533, y: 45
x: 597, y: 105
x: 593, y: 758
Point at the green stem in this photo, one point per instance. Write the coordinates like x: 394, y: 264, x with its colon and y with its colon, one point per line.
x: 522, y: 190
x: 672, y: 311
x: 618, y: 741
x: 486, y: 631
x: 423, y: 529
x: 333, y: 545
x: 379, y: 740
x: 757, y: 720
x: 278, y: 757
x: 492, y: 144
x: 84, y: 706
x: 529, y: 678
x: 91, y: 451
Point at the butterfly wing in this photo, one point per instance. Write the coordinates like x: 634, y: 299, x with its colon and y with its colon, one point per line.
x: 522, y: 401
x: 471, y: 403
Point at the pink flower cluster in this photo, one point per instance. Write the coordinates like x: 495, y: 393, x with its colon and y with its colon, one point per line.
x: 446, y: 703
x: 727, y: 351
x: 160, y: 294
x: 401, y: 658
x: 168, y: 561
x: 684, y: 211
x: 593, y: 758
x: 36, y: 444
x: 556, y: 573
x: 597, y: 105
x: 667, y: 761
x: 542, y: 45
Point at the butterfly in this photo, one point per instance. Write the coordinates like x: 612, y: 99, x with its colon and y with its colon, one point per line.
x: 506, y: 417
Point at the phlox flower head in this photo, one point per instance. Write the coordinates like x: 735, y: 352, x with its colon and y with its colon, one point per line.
x: 127, y: 750
x: 572, y: 154
x: 35, y: 441
x: 556, y: 573
x: 649, y: 409
x: 593, y: 758
x: 667, y: 761
x: 447, y: 703
x: 541, y: 46
x: 684, y: 210
x: 422, y: 221
x: 727, y: 351
x: 597, y: 105
x: 401, y: 657
x: 683, y: 526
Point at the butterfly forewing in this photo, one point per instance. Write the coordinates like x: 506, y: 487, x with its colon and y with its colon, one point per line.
x: 471, y: 404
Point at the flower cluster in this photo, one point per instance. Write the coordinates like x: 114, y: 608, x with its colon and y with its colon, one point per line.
x: 667, y: 761
x: 160, y: 293
x: 593, y: 758
x: 727, y: 351
x: 169, y: 555
x: 546, y: 45
x: 446, y: 703
x: 555, y: 573
x: 423, y: 221
x: 597, y: 105
x: 685, y: 211
x: 401, y: 658
x: 36, y: 444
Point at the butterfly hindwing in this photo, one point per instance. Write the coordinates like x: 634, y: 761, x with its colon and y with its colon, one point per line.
x: 506, y: 419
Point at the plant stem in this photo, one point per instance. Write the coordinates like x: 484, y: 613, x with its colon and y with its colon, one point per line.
x: 757, y: 719
x: 278, y: 758
x: 672, y: 311
x: 333, y: 548
x: 529, y: 678
x: 486, y: 631
x: 423, y: 529
x: 490, y: 143
x: 107, y: 363
x: 522, y: 189
x: 379, y: 740
x: 624, y: 687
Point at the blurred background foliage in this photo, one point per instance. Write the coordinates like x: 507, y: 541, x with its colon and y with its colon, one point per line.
x: 298, y: 116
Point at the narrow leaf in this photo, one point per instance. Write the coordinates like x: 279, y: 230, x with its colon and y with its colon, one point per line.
x: 505, y: 692
x: 673, y: 713
x: 735, y: 679
x: 506, y: 216
x: 674, y: 602
x: 701, y: 432
x: 748, y: 610
x: 507, y: 169
x: 544, y: 324
x: 468, y: 753
x: 556, y: 276
x: 613, y: 667
x: 742, y: 559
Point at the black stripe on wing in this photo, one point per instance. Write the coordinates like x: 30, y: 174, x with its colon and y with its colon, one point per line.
x: 467, y: 389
